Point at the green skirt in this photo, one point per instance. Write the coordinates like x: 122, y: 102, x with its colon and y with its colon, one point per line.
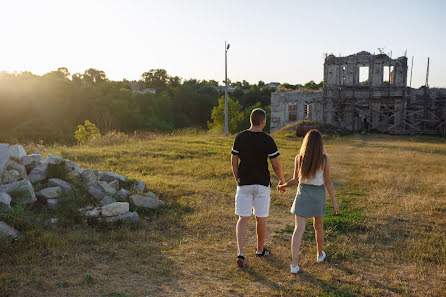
x: 310, y: 201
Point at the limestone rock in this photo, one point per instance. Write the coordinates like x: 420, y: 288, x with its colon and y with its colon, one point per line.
x: 4, y: 157
x: 52, y: 203
x: 123, y: 194
x: 49, y: 193
x: 90, y: 212
x: 88, y: 177
x: 139, y: 186
x: 10, y: 176
x: 128, y: 217
x: 114, y: 184
x: 56, y: 182
x: 17, y: 166
x: 147, y: 202
x: 20, y: 191
x: 151, y: 195
x: 54, y: 160
x: 38, y: 173
x: 8, y: 231
x: 73, y: 169
x: 16, y: 152
x: 106, y: 188
x: 5, y: 201
x: 31, y: 161
x: 115, y: 209
x: 111, y: 176
x: 107, y: 200
x: 96, y: 192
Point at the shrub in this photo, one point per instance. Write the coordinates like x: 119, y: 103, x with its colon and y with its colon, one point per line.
x: 86, y: 132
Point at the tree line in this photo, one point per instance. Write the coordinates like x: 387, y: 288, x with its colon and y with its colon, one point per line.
x: 49, y: 107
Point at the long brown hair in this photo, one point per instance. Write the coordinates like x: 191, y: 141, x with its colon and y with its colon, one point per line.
x: 311, y: 156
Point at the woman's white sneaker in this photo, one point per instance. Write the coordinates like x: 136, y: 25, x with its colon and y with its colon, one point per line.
x: 294, y: 268
x: 321, y: 258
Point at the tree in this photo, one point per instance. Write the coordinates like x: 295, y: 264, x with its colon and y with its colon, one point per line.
x: 156, y: 78
x: 235, y: 115
x: 94, y: 76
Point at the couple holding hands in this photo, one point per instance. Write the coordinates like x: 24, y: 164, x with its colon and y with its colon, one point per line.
x: 250, y: 153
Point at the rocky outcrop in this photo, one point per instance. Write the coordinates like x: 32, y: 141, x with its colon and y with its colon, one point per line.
x: 4, y: 157
x: 8, y: 231
x: 144, y: 201
x: 31, y: 161
x: 115, y: 209
x: 56, y: 182
x: 20, y: 191
x: 5, y: 201
x: 49, y: 193
x: 38, y: 174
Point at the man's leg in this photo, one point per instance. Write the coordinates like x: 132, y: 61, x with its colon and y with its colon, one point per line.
x: 240, y: 230
x: 261, y: 232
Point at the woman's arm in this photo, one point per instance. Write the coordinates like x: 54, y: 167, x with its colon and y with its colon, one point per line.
x: 329, y: 185
x: 295, y: 178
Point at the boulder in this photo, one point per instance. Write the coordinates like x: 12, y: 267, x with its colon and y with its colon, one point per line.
x: 20, y: 191
x: 151, y: 195
x: 54, y: 160
x: 114, y: 184
x: 107, y: 200
x: 73, y: 170
x: 107, y: 188
x: 10, y: 176
x: 56, y: 182
x: 90, y: 212
x: 38, y: 173
x: 139, y: 186
x: 111, y: 176
x: 115, y: 209
x: 5, y: 200
x: 17, y: 166
x: 31, y: 161
x: 4, y: 157
x: 52, y: 203
x: 123, y: 194
x: 8, y: 231
x: 146, y: 202
x: 131, y: 216
x: 96, y: 192
x: 49, y: 193
x: 88, y: 177
x: 16, y: 152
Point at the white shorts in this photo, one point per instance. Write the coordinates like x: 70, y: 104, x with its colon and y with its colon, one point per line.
x: 252, y: 199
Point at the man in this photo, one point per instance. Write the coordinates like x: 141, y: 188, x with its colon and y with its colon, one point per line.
x: 253, y: 147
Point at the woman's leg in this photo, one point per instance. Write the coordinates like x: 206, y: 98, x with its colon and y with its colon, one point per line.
x: 318, y: 224
x: 297, y: 238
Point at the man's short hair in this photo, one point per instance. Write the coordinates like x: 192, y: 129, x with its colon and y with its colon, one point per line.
x: 257, y: 116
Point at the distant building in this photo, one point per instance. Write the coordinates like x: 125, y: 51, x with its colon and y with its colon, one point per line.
x: 274, y: 85
x: 365, y: 92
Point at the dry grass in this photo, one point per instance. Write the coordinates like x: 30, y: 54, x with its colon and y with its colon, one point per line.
x: 388, y: 241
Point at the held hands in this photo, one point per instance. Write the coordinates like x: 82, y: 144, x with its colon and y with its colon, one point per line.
x: 281, y: 187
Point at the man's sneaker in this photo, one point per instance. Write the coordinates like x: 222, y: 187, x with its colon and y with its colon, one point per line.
x: 321, y: 258
x: 294, y: 268
x: 241, y: 261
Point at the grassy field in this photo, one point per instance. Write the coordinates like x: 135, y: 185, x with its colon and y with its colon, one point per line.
x: 389, y: 239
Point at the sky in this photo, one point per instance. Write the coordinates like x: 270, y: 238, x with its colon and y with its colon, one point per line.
x: 280, y: 41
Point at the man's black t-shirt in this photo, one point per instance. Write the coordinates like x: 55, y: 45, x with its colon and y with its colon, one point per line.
x: 253, y: 149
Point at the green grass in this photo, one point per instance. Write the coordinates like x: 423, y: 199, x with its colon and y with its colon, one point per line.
x: 388, y: 239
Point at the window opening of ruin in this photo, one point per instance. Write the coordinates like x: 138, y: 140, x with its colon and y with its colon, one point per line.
x: 292, y: 113
x: 386, y: 71
x: 364, y: 74
x: 343, y: 69
x: 307, y: 111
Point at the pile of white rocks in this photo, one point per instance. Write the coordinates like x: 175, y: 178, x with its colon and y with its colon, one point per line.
x: 19, y: 172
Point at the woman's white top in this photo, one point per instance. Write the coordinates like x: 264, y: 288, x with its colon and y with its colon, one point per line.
x: 318, y: 179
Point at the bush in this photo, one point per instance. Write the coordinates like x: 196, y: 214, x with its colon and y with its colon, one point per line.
x: 86, y: 132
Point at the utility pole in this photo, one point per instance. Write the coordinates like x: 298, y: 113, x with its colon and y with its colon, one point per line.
x: 226, y: 88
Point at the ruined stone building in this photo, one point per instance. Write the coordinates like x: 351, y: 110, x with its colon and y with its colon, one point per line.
x: 365, y: 92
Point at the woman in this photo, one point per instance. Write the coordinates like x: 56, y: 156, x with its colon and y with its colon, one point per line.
x: 312, y: 172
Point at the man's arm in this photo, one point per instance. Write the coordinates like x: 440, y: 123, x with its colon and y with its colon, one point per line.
x: 277, y: 169
x: 234, y: 163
